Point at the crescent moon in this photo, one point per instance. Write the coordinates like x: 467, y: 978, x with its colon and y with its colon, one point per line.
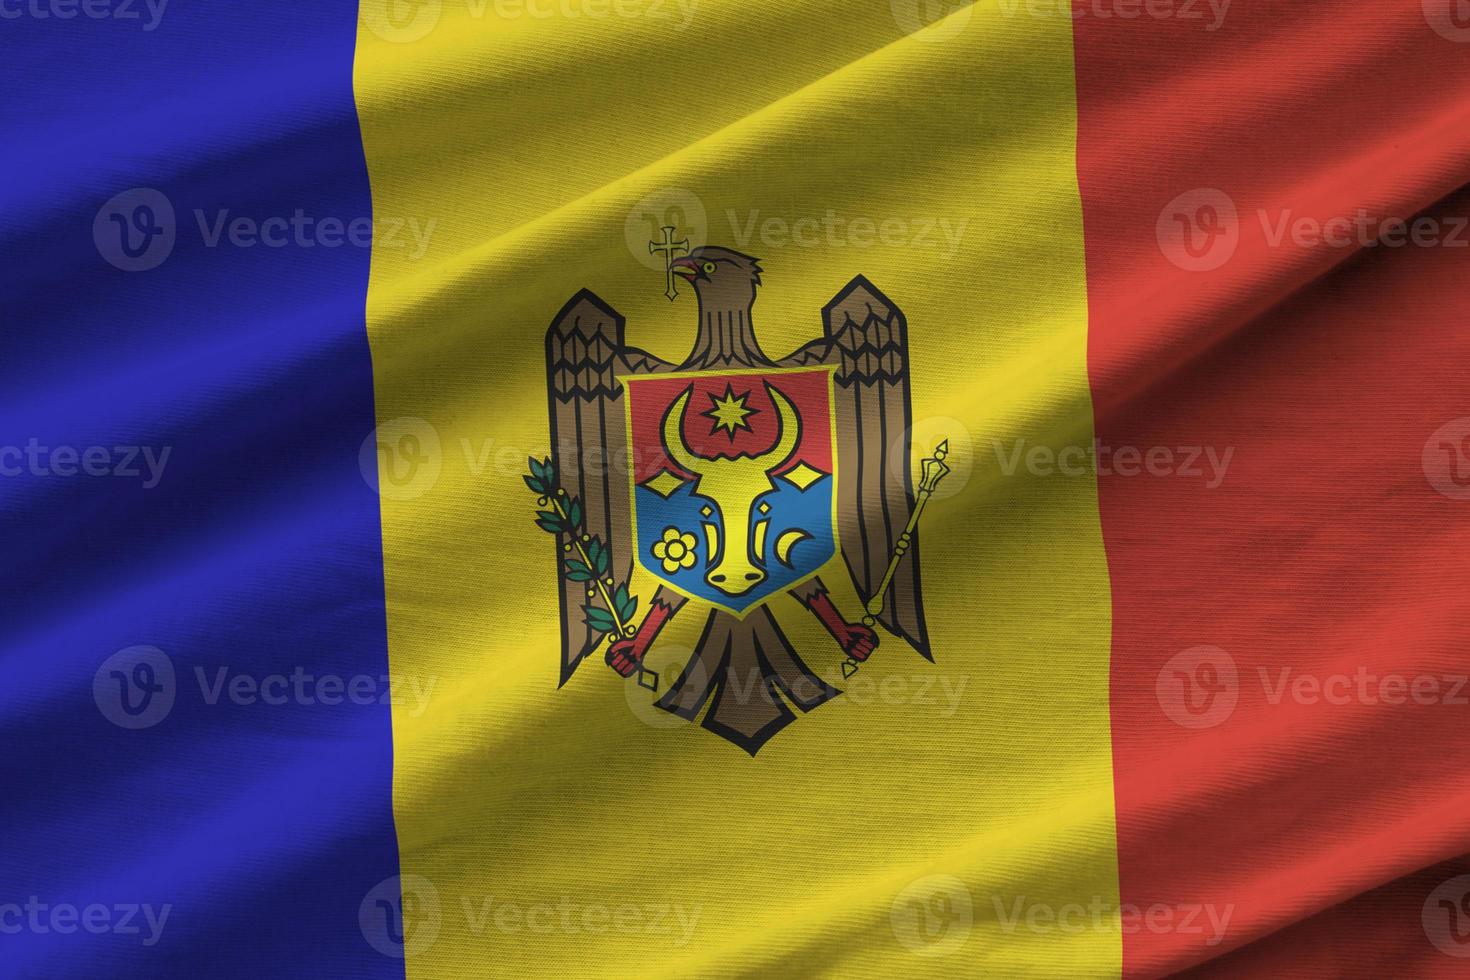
x: 786, y: 542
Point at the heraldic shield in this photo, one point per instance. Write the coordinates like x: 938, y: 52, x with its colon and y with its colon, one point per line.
x: 733, y: 481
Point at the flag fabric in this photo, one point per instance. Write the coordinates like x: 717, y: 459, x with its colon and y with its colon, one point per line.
x: 686, y: 488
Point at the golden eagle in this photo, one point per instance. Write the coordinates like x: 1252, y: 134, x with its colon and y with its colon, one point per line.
x: 613, y: 449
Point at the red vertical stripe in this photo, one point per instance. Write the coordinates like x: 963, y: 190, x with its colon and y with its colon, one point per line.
x: 1321, y: 820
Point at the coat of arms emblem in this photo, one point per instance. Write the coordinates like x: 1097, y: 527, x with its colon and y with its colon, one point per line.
x: 730, y: 478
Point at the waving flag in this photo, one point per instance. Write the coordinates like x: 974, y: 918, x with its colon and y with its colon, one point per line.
x: 620, y: 488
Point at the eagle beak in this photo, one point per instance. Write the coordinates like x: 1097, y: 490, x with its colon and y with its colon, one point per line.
x: 686, y: 267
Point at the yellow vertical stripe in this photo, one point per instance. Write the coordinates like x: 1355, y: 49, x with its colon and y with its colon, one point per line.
x: 936, y: 819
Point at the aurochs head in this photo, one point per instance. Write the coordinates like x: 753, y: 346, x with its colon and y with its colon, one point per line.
x: 736, y: 534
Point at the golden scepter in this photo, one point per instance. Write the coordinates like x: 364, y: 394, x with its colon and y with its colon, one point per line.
x: 933, y: 470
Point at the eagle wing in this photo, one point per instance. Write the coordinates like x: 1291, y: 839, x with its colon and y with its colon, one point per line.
x: 866, y: 338
x: 585, y: 355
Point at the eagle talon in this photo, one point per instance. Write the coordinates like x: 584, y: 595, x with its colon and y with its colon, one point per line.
x: 858, y: 642
x: 624, y: 657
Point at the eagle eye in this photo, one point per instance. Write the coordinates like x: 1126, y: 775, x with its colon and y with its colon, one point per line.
x: 709, y: 268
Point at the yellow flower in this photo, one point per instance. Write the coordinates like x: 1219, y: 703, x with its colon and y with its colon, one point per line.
x: 675, y: 550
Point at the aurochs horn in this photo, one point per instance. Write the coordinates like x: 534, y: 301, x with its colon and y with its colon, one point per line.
x: 733, y: 485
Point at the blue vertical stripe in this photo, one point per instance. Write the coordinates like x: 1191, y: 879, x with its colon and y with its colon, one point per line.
x: 182, y: 405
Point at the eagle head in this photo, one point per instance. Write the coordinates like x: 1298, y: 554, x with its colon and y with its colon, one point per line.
x: 723, y: 277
